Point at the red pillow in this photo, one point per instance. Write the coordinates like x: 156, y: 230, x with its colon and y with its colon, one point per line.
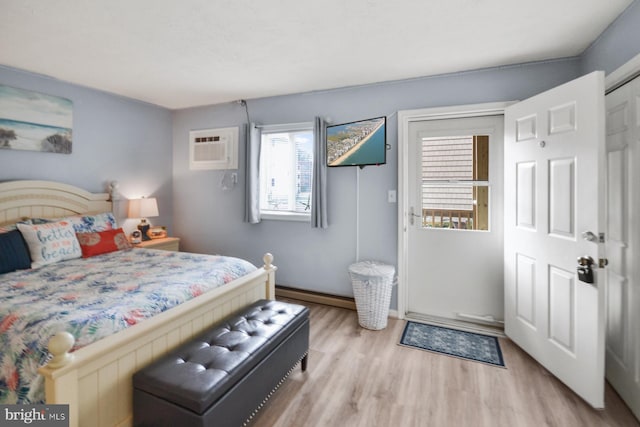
x: 102, y: 242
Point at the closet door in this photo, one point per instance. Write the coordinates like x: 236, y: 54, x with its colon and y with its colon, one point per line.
x: 623, y: 243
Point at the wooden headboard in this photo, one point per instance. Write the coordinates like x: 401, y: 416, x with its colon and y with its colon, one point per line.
x: 47, y: 199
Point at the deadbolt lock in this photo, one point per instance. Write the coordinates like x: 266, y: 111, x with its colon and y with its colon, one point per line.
x: 585, y: 272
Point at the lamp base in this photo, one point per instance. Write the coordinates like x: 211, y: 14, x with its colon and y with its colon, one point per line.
x: 144, y: 227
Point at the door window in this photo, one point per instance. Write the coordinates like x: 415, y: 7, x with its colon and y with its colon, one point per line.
x: 455, y: 182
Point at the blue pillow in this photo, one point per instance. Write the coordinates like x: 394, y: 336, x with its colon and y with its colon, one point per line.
x: 14, y: 254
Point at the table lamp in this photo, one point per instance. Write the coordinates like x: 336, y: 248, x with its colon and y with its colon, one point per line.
x: 143, y: 208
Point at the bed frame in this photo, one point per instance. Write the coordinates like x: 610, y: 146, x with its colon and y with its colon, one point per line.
x: 95, y: 381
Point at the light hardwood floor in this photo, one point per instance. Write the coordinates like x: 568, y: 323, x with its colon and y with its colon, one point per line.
x: 358, y: 377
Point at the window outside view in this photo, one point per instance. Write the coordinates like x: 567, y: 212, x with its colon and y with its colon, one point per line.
x: 455, y: 187
x: 286, y: 171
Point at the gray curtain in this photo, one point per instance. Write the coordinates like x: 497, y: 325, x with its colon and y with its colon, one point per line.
x: 253, y: 136
x: 319, y: 194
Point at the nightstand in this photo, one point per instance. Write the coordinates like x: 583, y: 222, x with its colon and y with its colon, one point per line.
x: 167, y: 244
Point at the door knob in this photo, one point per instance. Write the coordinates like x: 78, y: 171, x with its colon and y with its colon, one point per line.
x: 585, y: 261
x: 413, y: 215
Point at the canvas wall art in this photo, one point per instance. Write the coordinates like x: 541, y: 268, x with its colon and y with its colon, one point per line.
x: 35, y: 121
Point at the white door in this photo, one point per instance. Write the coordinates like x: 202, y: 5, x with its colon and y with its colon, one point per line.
x: 623, y: 243
x: 454, y: 236
x: 554, y: 212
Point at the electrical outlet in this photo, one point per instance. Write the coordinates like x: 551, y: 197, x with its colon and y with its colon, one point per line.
x: 391, y: 196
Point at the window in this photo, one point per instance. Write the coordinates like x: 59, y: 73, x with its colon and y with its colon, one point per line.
x: 455, y: 182
x: 286, y: 171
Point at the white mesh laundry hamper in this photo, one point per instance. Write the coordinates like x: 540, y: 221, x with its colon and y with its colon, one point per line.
x: 372, y: 285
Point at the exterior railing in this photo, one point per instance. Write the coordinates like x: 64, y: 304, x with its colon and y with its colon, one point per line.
x: 441, y: 218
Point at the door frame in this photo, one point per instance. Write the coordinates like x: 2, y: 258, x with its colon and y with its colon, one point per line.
x: 405, y: 117
x: 623, y: 74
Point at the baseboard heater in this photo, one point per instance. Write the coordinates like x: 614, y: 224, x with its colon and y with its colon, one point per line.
x: 315, y: 297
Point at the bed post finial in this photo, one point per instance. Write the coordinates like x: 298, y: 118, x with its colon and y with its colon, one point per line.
x: 59, y: 346
x: 268, y: 260
x: 113, y: 190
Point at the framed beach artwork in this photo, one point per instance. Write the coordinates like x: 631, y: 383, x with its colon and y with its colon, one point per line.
x: 35, y: 121
x: 360, y: 143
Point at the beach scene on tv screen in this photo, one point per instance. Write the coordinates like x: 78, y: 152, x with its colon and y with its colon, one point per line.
x: 357, y: 143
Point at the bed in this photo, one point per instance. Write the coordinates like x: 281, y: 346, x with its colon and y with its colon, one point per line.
x: 93, y: 376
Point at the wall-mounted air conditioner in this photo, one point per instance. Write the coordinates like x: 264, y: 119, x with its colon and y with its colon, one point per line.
x: 213, y: 149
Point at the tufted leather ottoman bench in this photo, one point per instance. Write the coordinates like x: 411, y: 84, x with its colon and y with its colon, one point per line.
x: 222, y: 377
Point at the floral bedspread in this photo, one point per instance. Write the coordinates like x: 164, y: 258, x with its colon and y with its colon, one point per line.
x: 92, y: 298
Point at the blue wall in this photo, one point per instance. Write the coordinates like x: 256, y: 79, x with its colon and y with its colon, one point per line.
x: 617, y: 44
x: 210, y: 220
x: 145, y: 148
x: 114, y: 138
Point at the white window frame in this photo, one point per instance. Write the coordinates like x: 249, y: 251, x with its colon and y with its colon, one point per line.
x: 285, y: 215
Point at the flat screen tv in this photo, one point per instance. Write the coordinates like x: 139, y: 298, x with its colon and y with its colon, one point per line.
x: 360, y: 143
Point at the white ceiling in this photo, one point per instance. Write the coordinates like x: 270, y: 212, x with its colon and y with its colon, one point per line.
x: 184, y: 53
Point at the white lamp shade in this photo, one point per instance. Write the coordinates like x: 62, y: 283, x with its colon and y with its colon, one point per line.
x: 143, y: 208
